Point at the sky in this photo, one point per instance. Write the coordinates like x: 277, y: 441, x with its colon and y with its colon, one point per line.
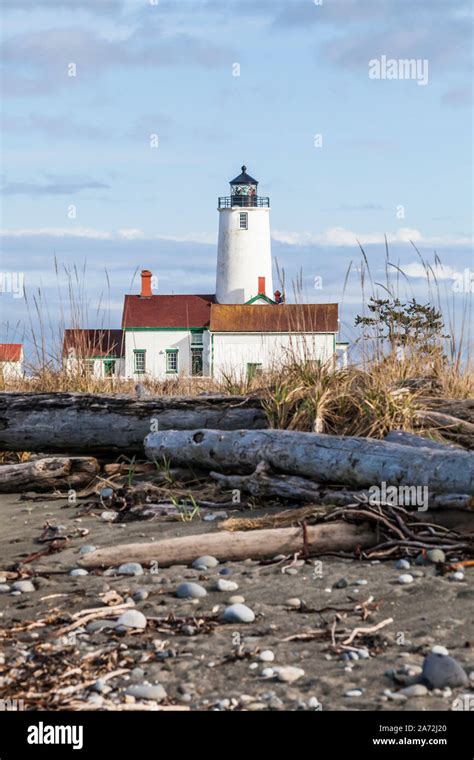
x: 122, y: 121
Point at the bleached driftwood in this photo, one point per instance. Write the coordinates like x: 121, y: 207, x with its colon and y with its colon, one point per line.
x: 48, y: 474
x: 418, y: 441
x: 353, y: 462
x: 83, y: 423
x: 264, y: 483
x: 239, y: 545
x: 456, y: 429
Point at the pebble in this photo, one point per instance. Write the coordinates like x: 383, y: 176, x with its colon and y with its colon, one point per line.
x: 140, y: 595
x: 238, y: 613
x: 435, y: 555
x: 293, y: 602
x: 145, y: 690
x: 268, y: 673
x: 364, y: 654
x: 99, y: 625
x: 223, y: 585
x: 288, y: 673
x: 131, y: 619
x: 402, y: 564
x: 354, y: 693
x: 130, y: 568
x: 87, y: 549
x: 225, y: 571
x: 438, y: 649
x: 441, y: 670
x: 108, y: 516
x: 266, y: 655
x: 236, y: 599
x: 341, y: 583
x: 313, y: 703
x: 417, y: 574
x: 360, y: 582
x: 23, y: 586
x: 457, y: 576
x: 4, y: 588
x: 405, y: 578
x: 190, y: 591
x: 78, y: 571
x: 416, y: 690
x: 206, y: 562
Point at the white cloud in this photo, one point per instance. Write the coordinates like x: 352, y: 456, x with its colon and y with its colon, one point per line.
x: 340, y: 236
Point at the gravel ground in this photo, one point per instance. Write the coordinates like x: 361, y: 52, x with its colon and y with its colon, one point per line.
x: 204, y: 663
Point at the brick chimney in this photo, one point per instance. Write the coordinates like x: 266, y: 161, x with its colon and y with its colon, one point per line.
x: 261, y: 286
x: 146, y: 284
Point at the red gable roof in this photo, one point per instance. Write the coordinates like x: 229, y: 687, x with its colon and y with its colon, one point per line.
x: 94, y: 342
x: 10, y: 352
x: 167, y: 311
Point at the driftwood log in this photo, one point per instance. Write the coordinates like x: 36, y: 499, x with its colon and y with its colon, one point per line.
x: 353, y: 462
x: 238, y: 545
x: 48, y: 474
x: 264, y: 483
x: 82, y: 423
x: 418, y: 441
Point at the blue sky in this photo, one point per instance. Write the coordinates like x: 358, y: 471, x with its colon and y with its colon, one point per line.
x: 145, y: 67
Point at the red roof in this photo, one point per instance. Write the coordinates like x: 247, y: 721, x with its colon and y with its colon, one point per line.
x: 167, y: 311
x: 287, y: 318
x: 10, y: 352
x: 94, y: 342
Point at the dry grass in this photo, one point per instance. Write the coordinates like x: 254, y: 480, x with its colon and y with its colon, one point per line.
x: 377, y: 392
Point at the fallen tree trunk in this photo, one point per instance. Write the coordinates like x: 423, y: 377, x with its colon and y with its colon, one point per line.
x: 417, y: 441
x: 353, y: 462
x: 460, y: 431
x: 48, y: 474
x: 82, y: 423
x: 239, y: 545
x: 263, y: 483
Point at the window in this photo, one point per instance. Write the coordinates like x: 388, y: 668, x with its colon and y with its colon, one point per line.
x: 197, y: 338
x: 253, y: 369
x: 244, y: 221
x: 90, y: 365
x: 109, y: 367
x: 139, y: 361
x: 172, y: 360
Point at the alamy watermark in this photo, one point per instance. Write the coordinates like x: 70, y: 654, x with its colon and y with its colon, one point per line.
x: 399, y: 68
x: 12, y: 282
x: 399, y: 496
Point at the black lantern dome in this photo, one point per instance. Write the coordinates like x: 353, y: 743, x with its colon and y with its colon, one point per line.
x: 243, y: 192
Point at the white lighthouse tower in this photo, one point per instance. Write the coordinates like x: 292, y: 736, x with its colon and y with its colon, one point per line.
x: 244, y: 258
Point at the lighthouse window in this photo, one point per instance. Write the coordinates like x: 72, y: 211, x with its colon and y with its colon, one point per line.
x: 244, y: 221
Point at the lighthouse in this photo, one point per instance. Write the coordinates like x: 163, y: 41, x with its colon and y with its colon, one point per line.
x: 244, y: 258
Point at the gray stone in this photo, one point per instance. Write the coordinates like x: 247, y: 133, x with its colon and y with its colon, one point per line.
x: 238, y: 613
x: 24, y: 587
x: 99, y: 625
x: 341, y: 583
x: 293, y: 602
x: 78, y: 571
x: 223, y: 585
x: 354, y: 693
x: 140, y: 595
x: 206, y: 562
x: 435, y: 555
x: 405, y: 578
x: 131, y: 619
x: 416, y: 690
x: 236, y: 599
x: 4, y: 588
x: 190, y: 591
x: 130, y: 568
x: 87, y: 549
x: 154, y: 692
x: 442, y: 670
x: 288, y: 673
x: 402, y: 564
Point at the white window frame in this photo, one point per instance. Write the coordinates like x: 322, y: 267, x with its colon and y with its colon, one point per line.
x: 243, y: 220
x: 172, y: 353
x: 139, y: 354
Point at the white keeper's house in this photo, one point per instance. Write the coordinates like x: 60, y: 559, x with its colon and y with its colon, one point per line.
x: 243, y: 328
